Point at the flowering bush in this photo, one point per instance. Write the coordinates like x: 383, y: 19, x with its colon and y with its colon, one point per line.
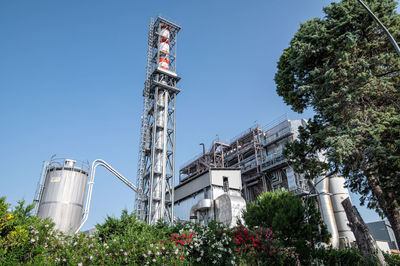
x: 258, y: 247
x: 26, y: 239
x: 209, y: 244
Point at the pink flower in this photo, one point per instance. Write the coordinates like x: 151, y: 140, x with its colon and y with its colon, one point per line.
x: 80, y: 264
x: 32, y: 240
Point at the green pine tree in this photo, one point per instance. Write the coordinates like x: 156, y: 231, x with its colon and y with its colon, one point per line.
x: 344, y: 67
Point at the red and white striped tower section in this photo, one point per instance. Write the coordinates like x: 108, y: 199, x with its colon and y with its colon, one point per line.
x: 156, y: 165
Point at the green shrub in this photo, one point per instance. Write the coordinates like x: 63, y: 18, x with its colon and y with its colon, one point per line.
x: 392, y: 259
x: 348, y: 256
x: 26, y: 239
x: 286, y: 215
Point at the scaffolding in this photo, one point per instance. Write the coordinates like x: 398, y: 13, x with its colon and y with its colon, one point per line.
x: 156, y: 162
x: 258, y: 153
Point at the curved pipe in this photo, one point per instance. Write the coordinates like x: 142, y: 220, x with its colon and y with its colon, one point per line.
x: 100, y: 162
x: 201, y: 205
x: 322, y: 187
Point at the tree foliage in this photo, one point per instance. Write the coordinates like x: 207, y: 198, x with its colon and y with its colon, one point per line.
x: 285, y: 214
x: 344, y: 67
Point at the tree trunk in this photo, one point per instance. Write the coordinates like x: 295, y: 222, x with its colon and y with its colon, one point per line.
x: 389, y: 208
x: 366, y: 243
x: 393, y: 217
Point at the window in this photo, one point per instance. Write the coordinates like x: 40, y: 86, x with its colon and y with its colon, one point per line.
x: 225, y: 183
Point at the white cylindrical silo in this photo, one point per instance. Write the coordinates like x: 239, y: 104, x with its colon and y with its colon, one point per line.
x: 63, y: 195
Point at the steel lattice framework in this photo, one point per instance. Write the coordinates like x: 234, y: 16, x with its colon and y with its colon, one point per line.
x: 156, y: 164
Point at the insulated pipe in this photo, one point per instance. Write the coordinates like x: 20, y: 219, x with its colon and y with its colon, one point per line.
x: 100, y: 162
x: 339, y: 193
x: 322, y: 187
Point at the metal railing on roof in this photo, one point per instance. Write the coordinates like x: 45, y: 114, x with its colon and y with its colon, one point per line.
x: 275, y: 122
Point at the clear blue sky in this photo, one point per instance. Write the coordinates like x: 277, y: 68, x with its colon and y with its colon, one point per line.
x: 72, y: 73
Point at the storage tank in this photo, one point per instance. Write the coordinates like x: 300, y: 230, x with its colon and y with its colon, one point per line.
x: 63, y: 192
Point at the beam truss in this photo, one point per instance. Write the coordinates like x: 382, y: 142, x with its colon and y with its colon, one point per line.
x: 156, y: 163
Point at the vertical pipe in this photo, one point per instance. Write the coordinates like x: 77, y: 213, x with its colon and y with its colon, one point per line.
x: 164, y: 155
x: 173, y: 164
x: 322, y: 187
x: 153, y: 149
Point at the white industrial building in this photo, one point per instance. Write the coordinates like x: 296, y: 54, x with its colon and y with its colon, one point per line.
x: 257, y: 152
x: 213, y: 195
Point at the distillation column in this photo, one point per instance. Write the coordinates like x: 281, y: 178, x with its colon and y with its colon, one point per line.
x: 157, y: 146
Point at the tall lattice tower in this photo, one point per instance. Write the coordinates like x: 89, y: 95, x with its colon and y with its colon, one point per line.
x: 156, y: 164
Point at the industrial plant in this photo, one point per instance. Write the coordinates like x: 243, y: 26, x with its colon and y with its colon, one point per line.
x: 214, y: 185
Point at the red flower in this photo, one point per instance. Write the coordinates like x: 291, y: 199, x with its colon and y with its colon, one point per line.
x: 181, y: 257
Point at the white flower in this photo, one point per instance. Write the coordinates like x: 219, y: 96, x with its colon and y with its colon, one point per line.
x: 198, y: 259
